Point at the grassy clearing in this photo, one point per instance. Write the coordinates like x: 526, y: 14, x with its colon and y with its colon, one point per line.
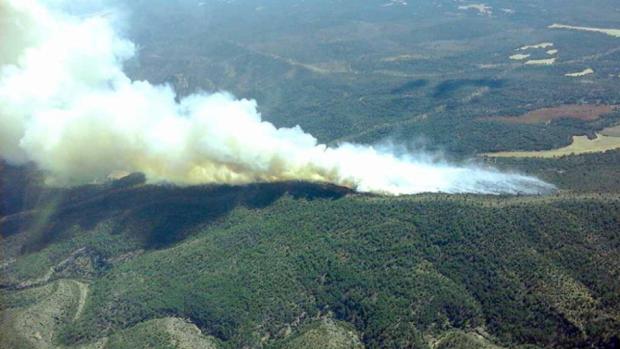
x: 584, y: 72
x: 548, y: 61
x: 327, y: 334
x: 162, y: 333
x: 542, y: 45
x: 481, y: 8
x: 519, y: 57
x: 404, y: 57
x: 613, y: 131
x: 610, y: 32
x: 580, y: 145
x: 36, y: 325
x: 463, y: 340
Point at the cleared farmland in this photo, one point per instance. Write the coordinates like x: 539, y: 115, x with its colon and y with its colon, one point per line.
x: 580, y: 145
x: 587, y: 112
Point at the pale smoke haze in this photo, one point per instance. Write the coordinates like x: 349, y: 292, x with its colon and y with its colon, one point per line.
x: 66, y: 104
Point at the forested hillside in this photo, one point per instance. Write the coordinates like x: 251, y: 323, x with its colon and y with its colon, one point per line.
x: 279, y: 265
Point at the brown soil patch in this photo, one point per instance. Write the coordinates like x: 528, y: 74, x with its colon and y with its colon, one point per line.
x: 586, y: 112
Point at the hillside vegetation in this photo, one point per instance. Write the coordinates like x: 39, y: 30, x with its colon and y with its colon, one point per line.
x: 292, y: 264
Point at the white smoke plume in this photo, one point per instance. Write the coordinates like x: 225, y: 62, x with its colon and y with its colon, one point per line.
x: 66, y: 104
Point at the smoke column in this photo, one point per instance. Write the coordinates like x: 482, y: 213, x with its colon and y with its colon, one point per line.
x: 66, y: 104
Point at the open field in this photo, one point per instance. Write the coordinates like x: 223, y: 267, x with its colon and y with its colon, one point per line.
x: 587, y: 112
x: 610, y: 32
x: 580, y: 145
x: 519, y: 57
x: 536, y: 46
x: 587, y: 71
x: 546, y: 61
x: 613, y: 131
x: 52, y: 306
x: 481, y: 8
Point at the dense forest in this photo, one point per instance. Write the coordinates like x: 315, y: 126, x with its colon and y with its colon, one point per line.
x: 274, y: 265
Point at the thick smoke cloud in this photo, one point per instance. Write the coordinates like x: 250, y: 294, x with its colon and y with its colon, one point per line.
x: 66, y: 104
